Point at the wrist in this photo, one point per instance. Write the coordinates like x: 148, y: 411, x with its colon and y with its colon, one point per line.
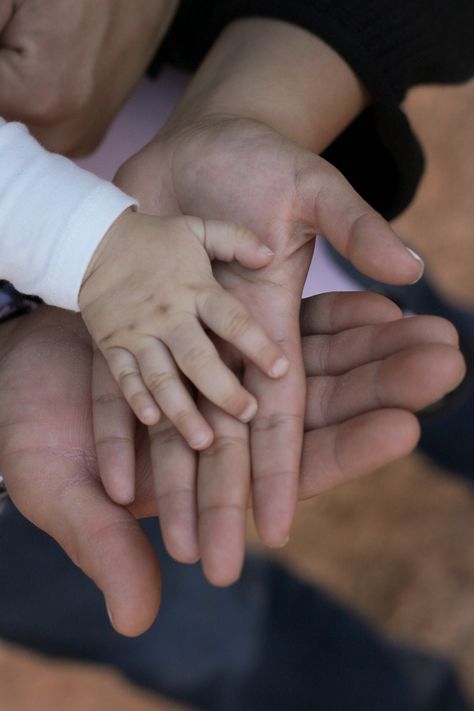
x: 279, y: 74
x: 113, y: 241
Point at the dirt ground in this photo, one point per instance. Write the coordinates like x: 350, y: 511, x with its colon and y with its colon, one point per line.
x: 397, y: 545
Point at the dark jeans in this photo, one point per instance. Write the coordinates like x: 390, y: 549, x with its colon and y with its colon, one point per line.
x: 269, y: 643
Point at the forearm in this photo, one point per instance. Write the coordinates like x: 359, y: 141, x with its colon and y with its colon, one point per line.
x: 279, y: 74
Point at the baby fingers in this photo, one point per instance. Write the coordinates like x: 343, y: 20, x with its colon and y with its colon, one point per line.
x: 229, y: 319
x: 226, y: 242
x: 198, y: 359
x: 165, y: 383
x: 125, y: 369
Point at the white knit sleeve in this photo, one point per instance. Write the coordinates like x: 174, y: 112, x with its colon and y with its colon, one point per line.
x: 53, y: 216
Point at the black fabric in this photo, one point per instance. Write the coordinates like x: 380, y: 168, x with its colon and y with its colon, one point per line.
x: 392, y: 45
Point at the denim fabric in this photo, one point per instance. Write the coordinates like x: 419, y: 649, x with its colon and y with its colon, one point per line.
x: 269, y: 643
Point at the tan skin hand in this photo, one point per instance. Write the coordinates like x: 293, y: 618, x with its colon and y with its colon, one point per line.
x: 67, y: 66
x: 48, y: 456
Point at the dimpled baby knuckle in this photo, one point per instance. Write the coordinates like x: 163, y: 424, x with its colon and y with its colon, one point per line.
x: 159, y: 382
x: 196, y: 358
x: 238, y: 323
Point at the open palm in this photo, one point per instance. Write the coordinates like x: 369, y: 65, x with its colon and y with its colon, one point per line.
x: 242, y: 171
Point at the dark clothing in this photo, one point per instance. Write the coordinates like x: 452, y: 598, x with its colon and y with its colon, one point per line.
x: 392, y: 45
x: 268, y: 643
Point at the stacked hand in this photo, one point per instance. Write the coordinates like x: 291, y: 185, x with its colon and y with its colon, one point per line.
x: 146, y: 297
x: 240, y: 170
x: 66, y: 67
x: 367, y: 372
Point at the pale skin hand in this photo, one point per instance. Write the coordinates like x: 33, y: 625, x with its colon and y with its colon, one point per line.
x: 386, y: 368
x: 67, y: 66
x: 285, y: 194
x: 146, y: 297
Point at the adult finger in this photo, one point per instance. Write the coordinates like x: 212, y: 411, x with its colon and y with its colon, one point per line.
x: 340, y: 453
x: 343, y: 351
x: 411, y: 379
x: 336, y: 311
x: 330, y: 206
x: 114, y: 434
x: 174, y: 475
x: 223, y: 496
x: 276, y: 435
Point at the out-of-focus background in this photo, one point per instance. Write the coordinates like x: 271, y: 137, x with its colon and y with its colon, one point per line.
x: 398, y: 545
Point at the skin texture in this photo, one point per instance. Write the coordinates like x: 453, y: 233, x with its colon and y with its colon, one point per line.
x: 67, y: 66
x: 229, y: 152
x: 234, y: 168
x: 47, y: 449
x: 147, y: 311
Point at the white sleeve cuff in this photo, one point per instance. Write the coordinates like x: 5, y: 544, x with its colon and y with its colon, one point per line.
x: 53, y: 215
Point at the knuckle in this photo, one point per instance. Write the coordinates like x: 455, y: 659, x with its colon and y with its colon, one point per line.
x: 276, y: 421
x: 105, y: 399
x: 114, y: 440
x: 197, y: 358
x: 223, y: 445
x: 165, y: 436
x: 160, y: 381
x: 238, y: 322
x: 181, y: 418
x: 126, y: 374
x: 231, y: 401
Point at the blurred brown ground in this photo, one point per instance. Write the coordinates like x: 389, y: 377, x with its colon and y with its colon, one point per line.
x: 397, y: 545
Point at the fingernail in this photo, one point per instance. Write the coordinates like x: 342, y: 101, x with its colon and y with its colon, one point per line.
x: 109, y: 613
x: 149, y: 415
x: 249, y: 412
x: 419, y: 260
x: 282, y: 545
x: 201, y: 440
x: 280, y: 367
x: 267, y: 251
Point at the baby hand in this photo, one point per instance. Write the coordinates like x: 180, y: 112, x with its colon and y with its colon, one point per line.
x: 146, y: 298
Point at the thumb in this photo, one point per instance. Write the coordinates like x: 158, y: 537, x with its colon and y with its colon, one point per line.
x: 333, y: 208
x: 101, y: 538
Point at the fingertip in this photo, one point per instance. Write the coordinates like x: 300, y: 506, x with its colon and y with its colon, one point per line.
x: 121, y: 492
x: 183, y: 549
x: 249, y: 413
x: 265, y: 253
x: 273, y: 537
x: 202, y: 440
x: 376, y: 250
x: 420, y: 264
x: 279, y: 368
x: 222, y: 577
x: 255, y: 257
x: 148, y: 415
x: 131, y: 623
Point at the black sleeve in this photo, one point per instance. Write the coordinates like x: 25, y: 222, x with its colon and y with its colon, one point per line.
x: 391, y: 45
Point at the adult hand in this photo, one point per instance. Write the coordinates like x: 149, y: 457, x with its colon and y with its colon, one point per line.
x: 66, y: 66
x: 243, y: 171
x: 387, y: 367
